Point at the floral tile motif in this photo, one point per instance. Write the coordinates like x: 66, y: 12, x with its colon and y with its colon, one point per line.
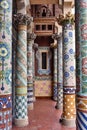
x: 43, y: 88
x: 5, y: 46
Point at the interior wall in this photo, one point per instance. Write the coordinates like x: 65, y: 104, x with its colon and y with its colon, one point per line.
x: 43, y: 79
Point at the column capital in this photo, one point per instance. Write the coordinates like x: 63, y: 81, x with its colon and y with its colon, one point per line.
x: 53, y: 45
x: 22, y: 19
x: 67, y: 19
x: 56, y: 36
x: 35, y: 46
x: 31, y: 36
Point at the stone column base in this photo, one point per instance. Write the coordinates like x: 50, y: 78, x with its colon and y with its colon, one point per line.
x: 30, y: 106
x: 21, y: 122
x: 55, y: 98
x: 69, y: 122
x: 59, y: 106
x: 34, y: 99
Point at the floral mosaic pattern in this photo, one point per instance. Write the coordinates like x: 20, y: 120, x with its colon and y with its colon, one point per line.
x: 69, y: 84
x: 81, y: 41
x: 5, y: 45
x: 5, y: 64
x: 69, y: 58
x: 43, y: 88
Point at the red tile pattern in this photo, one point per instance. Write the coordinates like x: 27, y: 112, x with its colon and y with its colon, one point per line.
x: 44, y: 117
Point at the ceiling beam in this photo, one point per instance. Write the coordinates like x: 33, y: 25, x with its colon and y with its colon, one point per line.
x: 35, y: 2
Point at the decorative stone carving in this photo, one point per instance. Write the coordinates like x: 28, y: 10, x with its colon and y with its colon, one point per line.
x: 22, y: 19
x: 68, y: 19
x: 31, y: 36
x: 55, y: 36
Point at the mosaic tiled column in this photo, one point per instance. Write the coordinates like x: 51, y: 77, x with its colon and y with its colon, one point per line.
x: 31, y: 38
x: 78, y: 53
x: 69, y: 110
x: 5, y: 64
x: 14, y: 43
x: 55, y: 69
x: 81, y: 27
x: 59, y: 104
x: 34, y: 98
x: 21, y: 118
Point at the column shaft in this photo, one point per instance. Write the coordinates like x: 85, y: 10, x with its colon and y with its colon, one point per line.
x: 59, y: 104
x: 21, y: 118
x: 30, y: 84
x: 69, y: 112
x: 5, y: 65
x: 81, y: 28
x: 30, y: 76
x: 78, y: 52
x: 55, y: 75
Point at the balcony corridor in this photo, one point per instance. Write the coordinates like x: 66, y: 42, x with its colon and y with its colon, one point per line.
x: 44, y: 117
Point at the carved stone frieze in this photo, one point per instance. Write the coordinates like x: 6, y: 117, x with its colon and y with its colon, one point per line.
x: 22, y: 19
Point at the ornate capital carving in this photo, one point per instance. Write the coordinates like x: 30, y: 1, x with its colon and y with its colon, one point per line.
x: 55, y: 36
x: 67, y: 19
x: 22, y: 19
x: 35, y: 46
x: 53, y: 45
x: 31, y: 36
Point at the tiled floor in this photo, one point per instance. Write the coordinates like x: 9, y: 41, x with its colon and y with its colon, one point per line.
x: 44, y: 117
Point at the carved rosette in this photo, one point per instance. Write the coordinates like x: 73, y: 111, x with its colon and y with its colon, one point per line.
x: 31, y: 36
x: 22, y: 19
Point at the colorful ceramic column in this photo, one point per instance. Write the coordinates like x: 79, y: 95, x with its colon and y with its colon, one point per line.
x: 59, y: 104
x: 78, y: 52
x: 34, y: 98
x: 31, y: 38
x: 81, y: 28
x: 5, y: 65
x: 69, y: 110
x: 14, y: 43
x: 21, y: 118
x: 69, y: 83
x: 55, y: 68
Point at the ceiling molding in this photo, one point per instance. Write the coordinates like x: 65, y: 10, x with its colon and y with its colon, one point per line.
x: 35, y: 2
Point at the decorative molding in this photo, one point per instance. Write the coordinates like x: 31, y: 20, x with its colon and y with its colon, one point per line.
x: 37, y: 2
x: 45, y: 20
x: 43, y: 78
x: 22, y: 19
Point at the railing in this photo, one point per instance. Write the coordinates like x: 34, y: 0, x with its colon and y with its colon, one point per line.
x: 44, y: 26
